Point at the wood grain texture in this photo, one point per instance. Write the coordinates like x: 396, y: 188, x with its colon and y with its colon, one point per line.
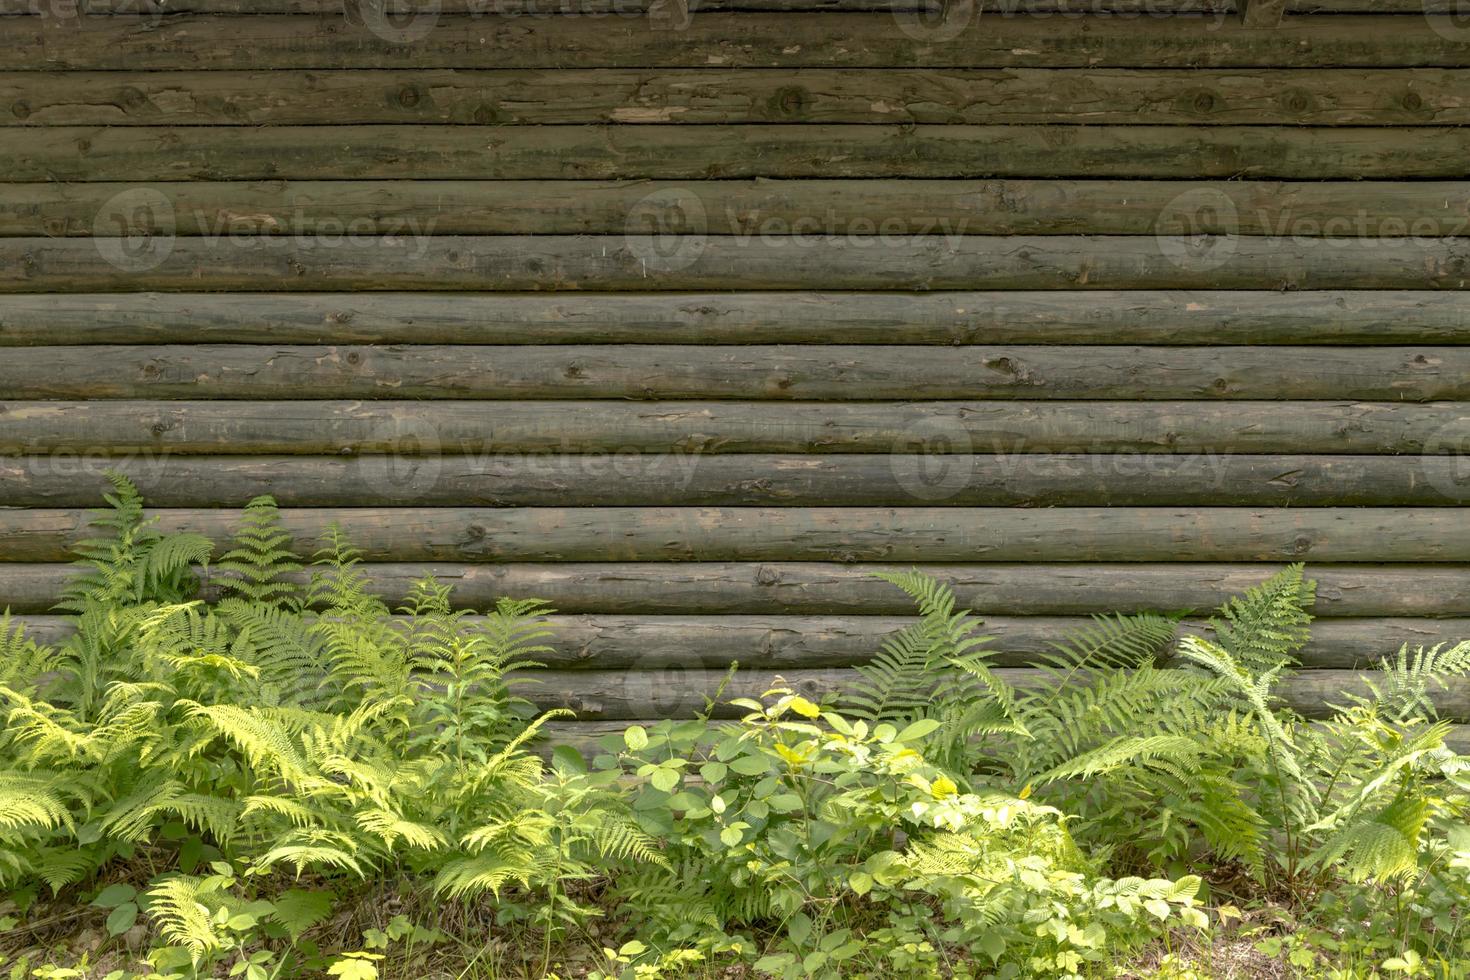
x: 828, y: 151
x: 157, y: 430
x: 729, y: 40
x: 783, y: 373
x: 747, y: 208
x: 1402, y: 593
x: 634, y: 479
x: 1200, y: 96
x: 613, y: 642
x: 1198, y: 317
x: 847, y: 534
x: 683, y: 261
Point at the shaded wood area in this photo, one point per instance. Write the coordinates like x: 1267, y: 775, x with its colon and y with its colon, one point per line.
x: 830, y: 589
x: 770, y: 209
x: 692, y: 261
x: 622, y: 478
x: 908, y: 534
x: 151, y: 430
x: 590, y: 152
x: 829, y: 39
x: 792, y: 373
x: 1332, y: 97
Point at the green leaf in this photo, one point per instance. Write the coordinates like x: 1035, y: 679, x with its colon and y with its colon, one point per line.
x: 568, y: 759
x: 114, y: 895
x: 785, y: 803
x: 636, y: 738
x: 731, y: 836
x: 664, y: 779
x: 860, y: 882
x: 751, y: 765
x: 713, y: 772
x: 122, y: 918
x: 918, y: 730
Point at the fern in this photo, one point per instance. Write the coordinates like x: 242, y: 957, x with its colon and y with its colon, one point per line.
x: 258, y: 566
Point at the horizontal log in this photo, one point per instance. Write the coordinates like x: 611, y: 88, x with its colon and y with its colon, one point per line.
x: 693, y: 262
x: 611, y: 642
x: 628, y: 9
x: 751, y: 208
x: 1203, y: 479
x: 1133, y: 317
x: 1402, y: 592
x: 157, y: 430
x: 1196, y: 96
x: 848, y: 534
x: 728, y: 40
x: 785, y: 373
x: 675, y: 692
x: 145, y: 153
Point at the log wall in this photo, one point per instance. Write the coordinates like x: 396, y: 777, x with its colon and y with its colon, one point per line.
x: 690, y: 317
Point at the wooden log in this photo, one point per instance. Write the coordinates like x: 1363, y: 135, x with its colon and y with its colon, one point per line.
x: 285, y: 97
x: 1405, y: 592
x: 153, y: 431
x: 828, y: 589
x: 755, y: 208
x: 675, y: 692
x: 694, y: 262
x: 848, y: 534
x: 1199, y: 317
x: 784, y: 373
x: 611, y: 642
x: 728, y: 40
x: 673, y: 479
x: 143, y: 153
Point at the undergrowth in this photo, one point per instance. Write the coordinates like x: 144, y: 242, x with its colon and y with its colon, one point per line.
x: 294, y: 779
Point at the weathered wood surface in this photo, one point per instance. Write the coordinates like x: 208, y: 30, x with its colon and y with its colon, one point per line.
x: 764, y: 208
x: 609, y: 9
x: 848, y: 534
x: 673, y: 692
x: 1406, y: 593
x: 1198, y: 317
x: 787, y: 373
x: 146, y: 153
x: 640, y: 479
x: 155, y: 430
x: 726, y: 40
x: 1199, y: 96
x: 694, y: 262
x: 612, y: 642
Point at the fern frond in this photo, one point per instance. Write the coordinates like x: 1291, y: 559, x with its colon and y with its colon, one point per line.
x: 177, y: 905
x: 1265, y: 627
x: 259, y: 565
